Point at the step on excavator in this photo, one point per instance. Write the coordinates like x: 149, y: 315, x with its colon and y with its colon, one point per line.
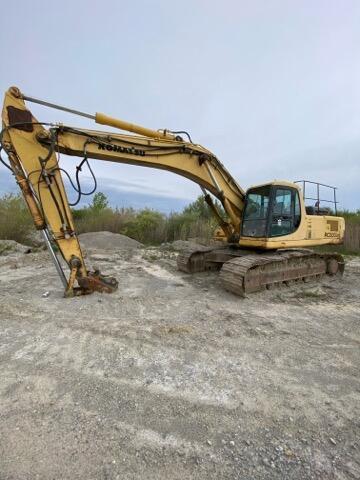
x: 264, y: 234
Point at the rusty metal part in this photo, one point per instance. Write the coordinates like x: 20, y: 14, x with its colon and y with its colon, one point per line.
x: 91, y: 282
x: 15, y: 92
x: 20, y: 119
x: 95, y: 282
x: 256, y: 272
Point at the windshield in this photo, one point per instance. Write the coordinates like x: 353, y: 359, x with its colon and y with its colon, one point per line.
x: 256, y: 210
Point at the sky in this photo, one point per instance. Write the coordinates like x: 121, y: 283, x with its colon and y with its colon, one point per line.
x: 272, y: 88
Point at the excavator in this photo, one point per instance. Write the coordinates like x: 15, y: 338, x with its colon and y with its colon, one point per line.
x: 264, y: 234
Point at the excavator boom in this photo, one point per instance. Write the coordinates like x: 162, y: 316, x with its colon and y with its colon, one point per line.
x: 33, y: 155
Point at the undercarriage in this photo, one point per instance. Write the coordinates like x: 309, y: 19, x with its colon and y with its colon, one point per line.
x: 243, y: 271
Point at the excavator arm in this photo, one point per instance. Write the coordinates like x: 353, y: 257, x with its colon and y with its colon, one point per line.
x: 33, y: 153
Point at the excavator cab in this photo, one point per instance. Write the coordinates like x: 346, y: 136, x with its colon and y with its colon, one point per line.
x: 277, y: 215
x: 271, y: 211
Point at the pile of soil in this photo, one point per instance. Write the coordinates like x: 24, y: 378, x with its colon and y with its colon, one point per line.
x: 107, y: 241
x: 8, y: 247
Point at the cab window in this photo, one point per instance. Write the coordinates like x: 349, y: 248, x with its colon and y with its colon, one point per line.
x: 256, y: 212
x: 286, y: 215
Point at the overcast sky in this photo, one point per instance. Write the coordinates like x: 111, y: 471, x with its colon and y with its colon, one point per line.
x: 271, y: 87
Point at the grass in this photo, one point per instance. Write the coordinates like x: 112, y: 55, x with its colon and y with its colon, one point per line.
x: 336, y: 249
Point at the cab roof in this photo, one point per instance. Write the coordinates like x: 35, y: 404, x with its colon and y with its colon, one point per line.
x: 280, y: 183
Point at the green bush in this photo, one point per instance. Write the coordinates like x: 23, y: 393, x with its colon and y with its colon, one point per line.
x: 89, y: 220
x: 146, y: 225
x: 15, y: 220
x: 350, y: 217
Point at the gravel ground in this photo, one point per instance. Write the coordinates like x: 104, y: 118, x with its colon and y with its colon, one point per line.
x: 172, y: 377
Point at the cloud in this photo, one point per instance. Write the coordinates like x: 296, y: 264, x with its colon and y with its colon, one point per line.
x: 272, y: 88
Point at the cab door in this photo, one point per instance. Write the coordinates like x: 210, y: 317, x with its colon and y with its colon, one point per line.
x: 285, y: 212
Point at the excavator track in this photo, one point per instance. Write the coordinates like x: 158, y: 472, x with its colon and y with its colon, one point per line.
x: 194, y: 260
x: 244, y: 272
x: 203, y: 258
x: 253, y: 273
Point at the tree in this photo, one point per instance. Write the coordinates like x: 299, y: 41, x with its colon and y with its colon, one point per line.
x: 200, y: 209
x: 100, y: 202
x: 147, y: 226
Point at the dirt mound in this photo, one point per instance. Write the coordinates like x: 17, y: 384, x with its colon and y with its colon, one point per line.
x: 107, y: 241
x: 8, y: 247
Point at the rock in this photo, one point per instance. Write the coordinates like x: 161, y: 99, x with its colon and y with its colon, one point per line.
x: 288, y: 452
x: 232, y: 443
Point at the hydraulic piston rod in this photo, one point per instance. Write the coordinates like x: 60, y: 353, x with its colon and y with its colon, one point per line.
x: 54, y: 257
x: 101, y: 118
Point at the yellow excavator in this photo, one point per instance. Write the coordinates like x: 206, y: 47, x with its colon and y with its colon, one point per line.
x: 263, y: 234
